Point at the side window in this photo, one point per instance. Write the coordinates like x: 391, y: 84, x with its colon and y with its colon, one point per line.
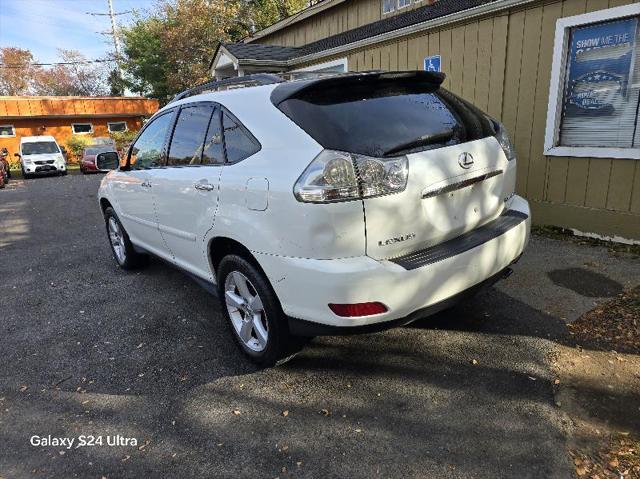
x: 213, y: 148
x: 239, y: 143
x: 188, y: 137
x: 146, y: 152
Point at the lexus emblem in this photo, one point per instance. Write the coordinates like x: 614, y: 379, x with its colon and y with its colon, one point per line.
x: 465, y: 160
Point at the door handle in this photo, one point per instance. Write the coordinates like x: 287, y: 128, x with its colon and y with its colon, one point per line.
x: 204, y: 186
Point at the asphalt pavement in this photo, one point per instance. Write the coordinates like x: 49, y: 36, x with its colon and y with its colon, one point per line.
x: 88, y: 349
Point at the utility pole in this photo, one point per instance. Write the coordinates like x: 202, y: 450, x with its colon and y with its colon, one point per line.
x: 113, y: 33
x: 116, y: 40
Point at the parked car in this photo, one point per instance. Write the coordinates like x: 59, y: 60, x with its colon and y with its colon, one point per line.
x: 332, y: 205
x: 89, y: 162
x: 40, y: 155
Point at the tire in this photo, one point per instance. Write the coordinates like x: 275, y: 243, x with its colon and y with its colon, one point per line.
x: 266, y: 313
x: 121, y: 246
x: 9, y: 174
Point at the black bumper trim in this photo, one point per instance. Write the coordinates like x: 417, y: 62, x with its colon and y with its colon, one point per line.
x: 300, y: 327
x: 462, y: 243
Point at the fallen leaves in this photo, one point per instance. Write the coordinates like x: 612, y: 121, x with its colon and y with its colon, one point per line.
x: 23, y: 388
x: 285, y: 413
x: 325, y: 412
x: 236, y: 412
x: 620, y: 459
x: 614, y: 325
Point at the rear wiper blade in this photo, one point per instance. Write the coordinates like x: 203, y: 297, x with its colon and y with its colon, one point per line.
x: 422, y: 141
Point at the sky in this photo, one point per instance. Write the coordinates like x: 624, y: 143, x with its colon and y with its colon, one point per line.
x: 43, y: 26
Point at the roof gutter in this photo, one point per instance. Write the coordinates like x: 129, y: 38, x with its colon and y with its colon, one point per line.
x: 474, y: 12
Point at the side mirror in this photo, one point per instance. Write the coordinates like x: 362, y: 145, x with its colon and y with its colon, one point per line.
x: 108, y: 160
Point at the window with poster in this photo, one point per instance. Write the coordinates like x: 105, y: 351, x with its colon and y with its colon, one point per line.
x: 595, y: 85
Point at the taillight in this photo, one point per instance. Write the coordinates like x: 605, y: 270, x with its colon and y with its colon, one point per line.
x: 505, y: 142
x: 339, y: 176
x: 358, y: 309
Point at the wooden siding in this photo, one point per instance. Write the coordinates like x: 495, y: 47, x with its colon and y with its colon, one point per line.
x: 25, y: 106
x: 502, y: 63
x: 345, y: 16
x: 59, y: 128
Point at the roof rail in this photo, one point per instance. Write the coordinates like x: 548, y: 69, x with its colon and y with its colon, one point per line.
x: 238, y: 82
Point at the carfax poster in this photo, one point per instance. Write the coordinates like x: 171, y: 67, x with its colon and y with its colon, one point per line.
x: 600, y: 66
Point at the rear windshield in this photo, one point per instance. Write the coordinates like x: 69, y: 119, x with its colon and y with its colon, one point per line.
x: 39, y: 148
x: 386, y: 119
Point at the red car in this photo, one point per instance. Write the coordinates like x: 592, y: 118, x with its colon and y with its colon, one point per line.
x: 90, y: 163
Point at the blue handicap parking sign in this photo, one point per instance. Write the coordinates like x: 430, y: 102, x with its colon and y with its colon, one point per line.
x: 432, y: 63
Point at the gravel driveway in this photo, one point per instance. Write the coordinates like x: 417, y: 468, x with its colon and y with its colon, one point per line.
x: 88, y: 349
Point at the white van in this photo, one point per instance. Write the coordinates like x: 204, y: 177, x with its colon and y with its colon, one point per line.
x: 39, y: 155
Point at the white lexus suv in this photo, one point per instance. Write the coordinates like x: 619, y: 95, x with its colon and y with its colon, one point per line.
x: 330, y: 205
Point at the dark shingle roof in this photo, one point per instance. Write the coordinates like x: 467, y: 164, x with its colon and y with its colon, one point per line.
x: 259, y: 51
x: 412, y: 17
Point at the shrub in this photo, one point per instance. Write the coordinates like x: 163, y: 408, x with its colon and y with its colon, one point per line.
x: 14, y: 163
x: 76, y: 144
x: 123, y: 139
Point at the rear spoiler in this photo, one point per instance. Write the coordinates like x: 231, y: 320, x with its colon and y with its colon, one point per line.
x: 374, y: 80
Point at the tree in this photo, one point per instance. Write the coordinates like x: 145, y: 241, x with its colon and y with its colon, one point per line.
x: 76, y: 77
x: 17, y: 71
x: 169, y: 50
x: 116, y: 84
x: 260, y: 14
x: 145, y: 63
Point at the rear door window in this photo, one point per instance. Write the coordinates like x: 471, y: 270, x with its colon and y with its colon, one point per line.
x: 213, y: 146
x: 188, y: 139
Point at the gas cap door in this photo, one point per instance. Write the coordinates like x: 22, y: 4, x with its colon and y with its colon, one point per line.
x: 257, y: 194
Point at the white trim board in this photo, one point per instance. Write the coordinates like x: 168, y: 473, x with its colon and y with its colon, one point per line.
x: 320, y: 66
x: 556, y: 86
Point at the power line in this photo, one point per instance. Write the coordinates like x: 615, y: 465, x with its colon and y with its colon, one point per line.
x: 24, y: 65
x: 98, y: 14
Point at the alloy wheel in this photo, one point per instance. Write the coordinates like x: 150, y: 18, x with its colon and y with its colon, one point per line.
x: 246, y: 311
x: 117, y: 240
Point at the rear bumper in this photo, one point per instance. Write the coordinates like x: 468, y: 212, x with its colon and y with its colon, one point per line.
x: 305, y: 287
x: 300, y: 327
